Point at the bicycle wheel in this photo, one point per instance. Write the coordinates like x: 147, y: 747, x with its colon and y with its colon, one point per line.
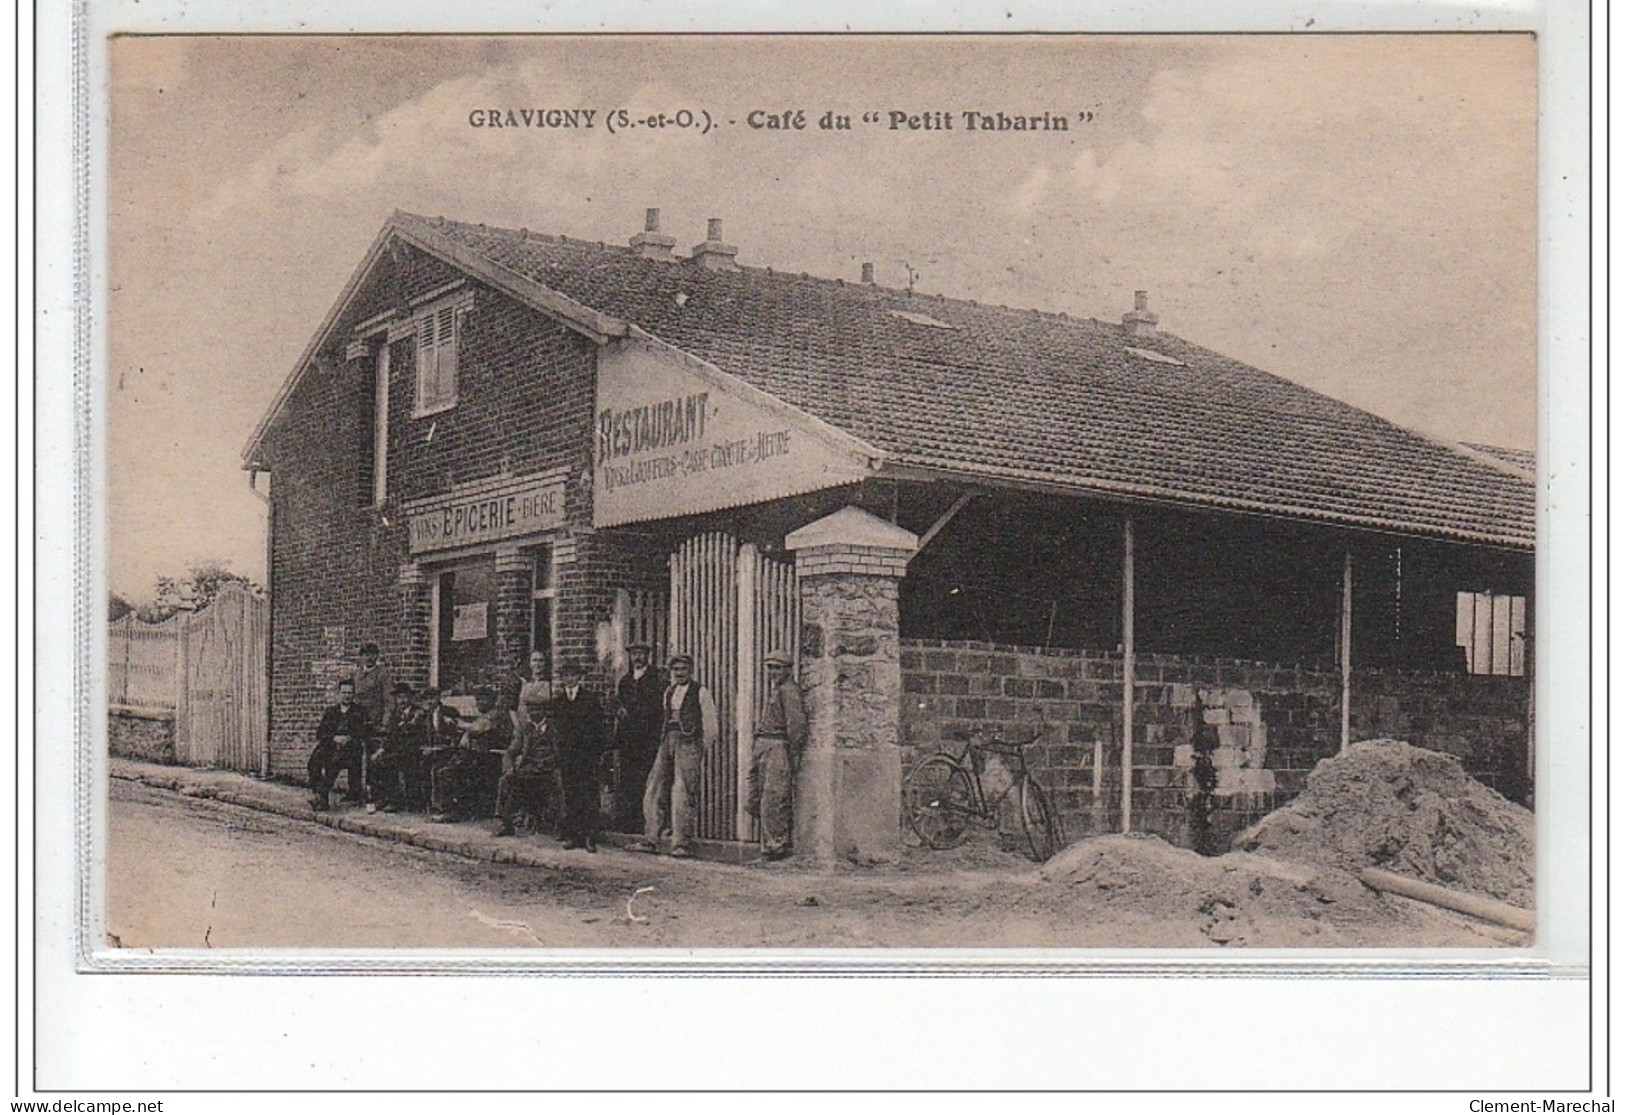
x: 1039, y: 822
x: 939, y: 801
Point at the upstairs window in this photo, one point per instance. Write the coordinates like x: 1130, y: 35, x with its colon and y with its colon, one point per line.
x: 1490, y: 631
x: 437, y: 328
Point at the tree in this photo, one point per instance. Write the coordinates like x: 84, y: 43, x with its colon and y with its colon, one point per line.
x: 117, y: 607
x: 195, y: 591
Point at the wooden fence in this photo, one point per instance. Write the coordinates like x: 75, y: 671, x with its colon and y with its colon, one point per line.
x: 207, y: 671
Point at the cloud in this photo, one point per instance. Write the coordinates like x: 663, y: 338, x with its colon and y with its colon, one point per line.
x: 418, y: 148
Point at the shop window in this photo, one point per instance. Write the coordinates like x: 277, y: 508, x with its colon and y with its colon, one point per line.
x: 542, y: 595
x: 437, y: 327
x: 1490, y: 632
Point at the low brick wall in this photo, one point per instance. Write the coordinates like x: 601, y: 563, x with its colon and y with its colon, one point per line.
x: 148, y: 736
x: 1246, y: 733
x: 1483, y: 721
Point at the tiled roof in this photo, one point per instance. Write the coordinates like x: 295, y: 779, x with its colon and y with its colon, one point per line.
x: 1517, y: 458
x: 1023, y: 395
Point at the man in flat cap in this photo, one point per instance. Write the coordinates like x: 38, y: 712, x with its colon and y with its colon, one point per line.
x: 688, y: 732
x: 637, y: 734
x: 781, y: 730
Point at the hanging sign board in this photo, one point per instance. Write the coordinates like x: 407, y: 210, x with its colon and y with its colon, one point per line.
x: 677, y: 437
x: 468, y: 621
x: 487, y: 511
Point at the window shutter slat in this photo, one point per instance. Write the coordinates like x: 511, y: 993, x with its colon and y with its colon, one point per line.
x: 437, y: 357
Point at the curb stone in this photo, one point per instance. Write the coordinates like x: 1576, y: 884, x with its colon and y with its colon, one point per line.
x: 362, y: 824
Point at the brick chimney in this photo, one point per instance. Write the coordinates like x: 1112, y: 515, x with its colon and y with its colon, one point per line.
x: 649, y: 243
x: 1140, y: 321
x: 869, y: 274
x: 714, y: 253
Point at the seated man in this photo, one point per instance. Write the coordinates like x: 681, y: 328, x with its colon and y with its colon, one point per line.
x: 529, y: 780
x: 340, y: 737
x: 393, y: 769
x: 463, y: 781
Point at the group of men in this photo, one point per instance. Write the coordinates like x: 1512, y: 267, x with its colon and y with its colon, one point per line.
x: 544, y: 756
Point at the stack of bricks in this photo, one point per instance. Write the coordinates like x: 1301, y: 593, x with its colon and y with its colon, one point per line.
x: 1244, y: 782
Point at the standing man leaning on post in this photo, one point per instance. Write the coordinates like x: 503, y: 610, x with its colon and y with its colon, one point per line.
x: 780, y: 732
x: 688, y: 733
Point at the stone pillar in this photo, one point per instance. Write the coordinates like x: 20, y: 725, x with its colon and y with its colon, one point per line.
x: 849, y: 787
x: 416, y: 613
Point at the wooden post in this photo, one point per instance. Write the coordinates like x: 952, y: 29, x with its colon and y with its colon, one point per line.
x: 1128, y: 672
x: 1345, y: 638
x: 745, y: 682
x: 128, y: 624
x: 183, y: 698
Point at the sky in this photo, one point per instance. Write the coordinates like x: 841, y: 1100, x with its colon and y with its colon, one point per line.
x: 1355, y: 213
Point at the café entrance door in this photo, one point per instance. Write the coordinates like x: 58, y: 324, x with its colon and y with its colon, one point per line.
x: 465, y: 652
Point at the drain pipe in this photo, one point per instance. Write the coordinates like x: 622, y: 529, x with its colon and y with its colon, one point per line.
x: 270, y: 617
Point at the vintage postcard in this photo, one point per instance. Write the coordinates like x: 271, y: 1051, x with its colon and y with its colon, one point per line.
x: 1111, y: 454
x: 856, y: 500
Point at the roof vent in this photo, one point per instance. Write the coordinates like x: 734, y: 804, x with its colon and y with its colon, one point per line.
x: 649, y: 244
x: 920, y: 319
x: 714, y: 253
x: 1154, y: 357
x: 1140, y: 321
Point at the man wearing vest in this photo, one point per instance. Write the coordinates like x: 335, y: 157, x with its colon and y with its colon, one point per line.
x: 688, y: 733
x: 780, y: 731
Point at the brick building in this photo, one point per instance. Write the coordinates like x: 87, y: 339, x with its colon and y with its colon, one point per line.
x: 956, y: 515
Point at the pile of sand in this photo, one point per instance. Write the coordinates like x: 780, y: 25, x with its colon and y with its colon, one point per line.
x: 1386, y: 804
x: 1234, y: 899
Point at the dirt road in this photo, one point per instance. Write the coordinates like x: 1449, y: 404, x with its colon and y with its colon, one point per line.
x: 188, y: 872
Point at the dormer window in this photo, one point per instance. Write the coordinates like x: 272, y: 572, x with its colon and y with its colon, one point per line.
x: 437, y: 327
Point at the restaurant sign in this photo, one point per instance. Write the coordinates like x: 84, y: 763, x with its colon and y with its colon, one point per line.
x: 676, y: 437
x: 487, y: 511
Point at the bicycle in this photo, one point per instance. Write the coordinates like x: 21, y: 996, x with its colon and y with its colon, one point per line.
x: 943, y: 797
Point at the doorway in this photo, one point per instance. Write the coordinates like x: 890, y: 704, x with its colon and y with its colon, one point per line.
x: 465, y: 615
